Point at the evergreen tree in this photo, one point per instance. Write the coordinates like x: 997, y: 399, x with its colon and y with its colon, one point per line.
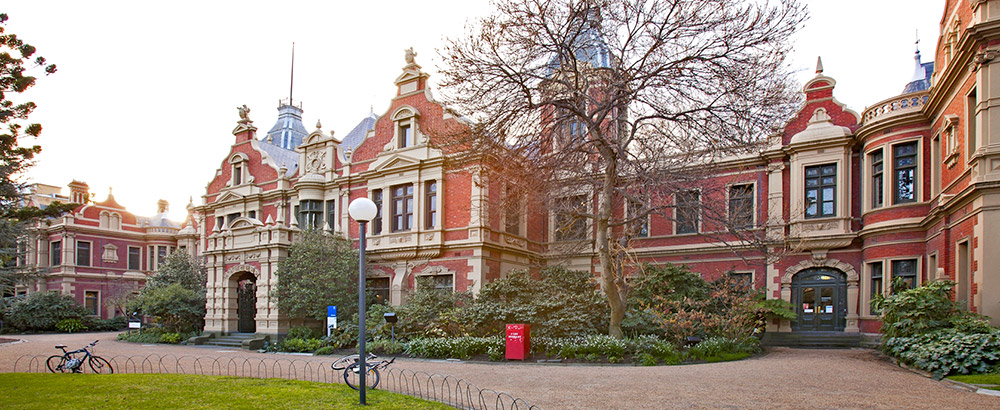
x: 320, y: 270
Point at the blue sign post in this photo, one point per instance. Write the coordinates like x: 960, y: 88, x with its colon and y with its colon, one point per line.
x: 331, y: 319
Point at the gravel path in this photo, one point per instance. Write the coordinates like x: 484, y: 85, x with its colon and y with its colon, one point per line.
x: 780, y: 379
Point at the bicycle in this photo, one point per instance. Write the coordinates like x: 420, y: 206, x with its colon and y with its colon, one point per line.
x: 73, y: 361
x: 351, y: 364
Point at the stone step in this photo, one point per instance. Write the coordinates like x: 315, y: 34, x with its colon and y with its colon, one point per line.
x: 812, y: 339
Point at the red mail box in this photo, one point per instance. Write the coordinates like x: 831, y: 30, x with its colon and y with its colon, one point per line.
x: 518, y: 341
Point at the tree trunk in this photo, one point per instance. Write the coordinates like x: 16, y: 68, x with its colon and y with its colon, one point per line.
x: 603, y: 241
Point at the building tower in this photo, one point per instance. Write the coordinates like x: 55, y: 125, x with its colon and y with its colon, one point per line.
x: 288, y: 131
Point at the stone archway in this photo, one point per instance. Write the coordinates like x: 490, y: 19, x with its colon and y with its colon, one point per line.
x: 241, y: 293
x: 851, y: 278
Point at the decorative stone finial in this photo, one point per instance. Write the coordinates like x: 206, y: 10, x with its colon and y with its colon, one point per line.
x: 318, y: 124
x: 819, y: 65
x: 409, y: 56
x: 244, y: 114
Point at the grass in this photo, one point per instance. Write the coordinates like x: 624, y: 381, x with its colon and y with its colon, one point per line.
x: 177, y: 391
x: 982, y: 380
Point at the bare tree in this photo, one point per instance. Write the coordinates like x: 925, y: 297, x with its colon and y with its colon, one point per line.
x: 586, y: 105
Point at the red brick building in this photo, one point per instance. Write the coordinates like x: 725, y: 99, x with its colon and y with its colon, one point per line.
x: 907, y: 188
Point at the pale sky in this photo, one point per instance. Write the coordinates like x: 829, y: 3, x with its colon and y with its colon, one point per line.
x: 146, y: 93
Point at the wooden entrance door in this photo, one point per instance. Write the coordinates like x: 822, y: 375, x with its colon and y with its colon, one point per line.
x: 820, y: 298
x: 246, y: 307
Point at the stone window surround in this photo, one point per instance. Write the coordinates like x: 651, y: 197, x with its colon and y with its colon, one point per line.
x: 841, y: 156
x: 699, y: 223
x: 403, y: 116
x: 127, y: 266
x: 419, y: 179
x: 328, y: 195
x: 887, y: 277
x: 90, y: 252
x: 753, y: 199
x: 588, y: 228
x: 238, y: 163
x: 521, y: 220
x: 98, y: 301
x: 647, y: 222
x: 110, y: 220
x: 888, y: 175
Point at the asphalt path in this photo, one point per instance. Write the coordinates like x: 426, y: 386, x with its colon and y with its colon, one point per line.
x: 781, y: 378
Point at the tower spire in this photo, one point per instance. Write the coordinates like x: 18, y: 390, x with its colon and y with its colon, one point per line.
x: 291, y: 82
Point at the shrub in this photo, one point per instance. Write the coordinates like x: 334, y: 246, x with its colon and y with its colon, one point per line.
x: 948, y: 351
x: 102, y: 325
x: 300, y: 345
x: 324, y: 351
x: 382, y: 345
x: 177, y: 308
x: 301, y: 332
x: 646, y: 359
x: 171, y: 338
x: 458, y: 347
x: 719, y: 347
x: 920, y: 310
x: 40, y: 311
x: 70, y: 326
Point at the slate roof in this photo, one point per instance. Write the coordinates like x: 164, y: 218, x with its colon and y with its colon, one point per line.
x: 288, y: 130
x: 357, y: 135
x: 281, y: 156
x: 922, y: 83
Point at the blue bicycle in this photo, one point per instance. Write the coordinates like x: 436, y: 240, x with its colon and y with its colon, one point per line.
x: 73, y: 361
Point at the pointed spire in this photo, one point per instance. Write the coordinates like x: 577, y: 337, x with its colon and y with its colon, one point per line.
x: 291, y: 82
x: 819, y: 65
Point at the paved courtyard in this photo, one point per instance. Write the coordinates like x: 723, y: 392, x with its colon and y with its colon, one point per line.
x: 781, y: 379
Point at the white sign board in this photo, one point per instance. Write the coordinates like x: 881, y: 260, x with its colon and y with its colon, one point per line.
x: 134, y: 325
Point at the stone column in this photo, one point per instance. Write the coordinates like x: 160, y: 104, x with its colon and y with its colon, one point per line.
x: 786, y: 295
x: 852, y: 308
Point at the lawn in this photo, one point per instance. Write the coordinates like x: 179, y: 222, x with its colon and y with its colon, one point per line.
x: 987, y: 381
x: 177, y: 391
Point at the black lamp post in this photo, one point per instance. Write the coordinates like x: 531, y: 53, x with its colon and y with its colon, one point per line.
x: 362, y: 210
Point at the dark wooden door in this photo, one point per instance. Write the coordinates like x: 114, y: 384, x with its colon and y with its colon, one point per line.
x: 819, y: 296
x: 246, y: 308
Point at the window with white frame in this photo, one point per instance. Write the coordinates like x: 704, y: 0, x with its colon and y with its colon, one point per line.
x: 971, y: 133
x: 512, y: 212
x: 905, y: 269
x: 377, y: 220
x: 688, y: 211
x: 570, y: 222
x: 82, y: 253
x: 134, y: 257
x: 638, y: 219
x: 821, y: 191
x: 741, y: 206
x: 430, y: 204
x: 406, y: 127
x: 310, y: 214
x: 876, y: 284
x: 904, y: 169
x: 877, y: 178
x: 55, y: 252
x: 401, y: 200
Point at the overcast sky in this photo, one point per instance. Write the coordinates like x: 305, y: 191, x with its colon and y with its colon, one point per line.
x: 146, y: 93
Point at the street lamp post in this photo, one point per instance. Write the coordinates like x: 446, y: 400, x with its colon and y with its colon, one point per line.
x: 362, y: 210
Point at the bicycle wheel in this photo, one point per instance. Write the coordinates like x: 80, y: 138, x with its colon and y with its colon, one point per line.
x: 352, y: 376
x: 100, y: 366
x: 55, y: 364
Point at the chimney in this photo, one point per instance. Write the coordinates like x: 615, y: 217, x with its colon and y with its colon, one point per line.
x: 79, y: 192
x: 162, y: 206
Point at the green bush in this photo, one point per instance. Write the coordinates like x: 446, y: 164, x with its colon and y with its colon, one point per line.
x: 171, y: 338
x: 948, y: 351
x: 175, y: 307
x: 920, y: 310
x: 380, y: 345
x: 324, y: 351
x: 41, y: 311
x: 105, y: 325
x: 300, y: 345
x: 724, y: 348
x: 457, y: 347
x: 70, y: 326
x: 302, y: 332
